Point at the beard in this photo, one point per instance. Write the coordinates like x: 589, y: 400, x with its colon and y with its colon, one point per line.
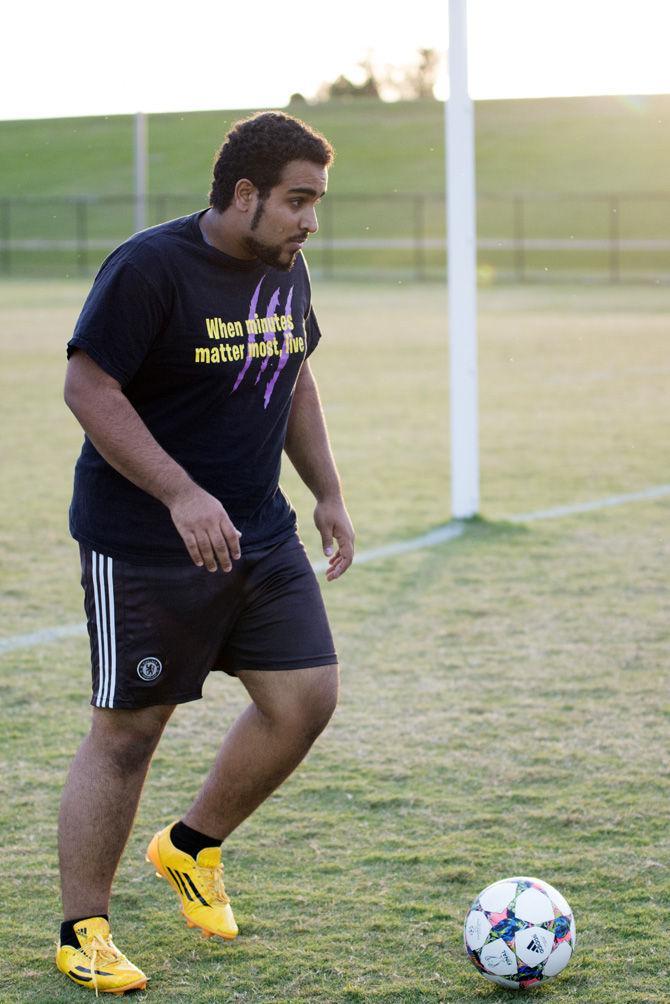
x: 271, y: 254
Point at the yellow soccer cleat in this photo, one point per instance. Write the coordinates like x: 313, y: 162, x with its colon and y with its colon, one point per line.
x: 98, y: 964
x: 198, y: 883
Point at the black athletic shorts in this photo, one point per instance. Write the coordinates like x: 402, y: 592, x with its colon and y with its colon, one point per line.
x: 156, y: 631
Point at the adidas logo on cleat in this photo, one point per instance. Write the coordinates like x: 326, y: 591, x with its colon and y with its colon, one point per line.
x: 97, y: 963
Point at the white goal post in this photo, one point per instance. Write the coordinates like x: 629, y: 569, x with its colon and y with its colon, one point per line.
x: 462, y: 272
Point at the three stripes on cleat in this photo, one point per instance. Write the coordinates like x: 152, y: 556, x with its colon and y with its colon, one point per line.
x: 189, y: 923
x: 180, y: 879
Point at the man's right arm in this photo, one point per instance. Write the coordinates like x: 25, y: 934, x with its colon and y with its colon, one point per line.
x: 121, y: 437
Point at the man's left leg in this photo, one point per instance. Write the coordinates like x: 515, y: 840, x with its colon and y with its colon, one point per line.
x: 270, y: 738
x: 289, y: 709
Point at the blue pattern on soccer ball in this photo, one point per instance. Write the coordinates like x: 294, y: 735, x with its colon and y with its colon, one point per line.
x: 561, y: 926
x: 529, y: 973
x: 507, y: 928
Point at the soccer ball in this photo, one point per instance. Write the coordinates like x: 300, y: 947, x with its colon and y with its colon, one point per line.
x: 519, y: 932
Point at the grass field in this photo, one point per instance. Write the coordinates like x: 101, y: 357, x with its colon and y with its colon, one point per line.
x: 504, y: 700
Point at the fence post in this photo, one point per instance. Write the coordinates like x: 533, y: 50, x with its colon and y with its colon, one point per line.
x: 327, y: 237
x: 81, y: 215
x: 6, y: 233
x: 519, y: 237
x: 614, y: 234
x: 419, y: 236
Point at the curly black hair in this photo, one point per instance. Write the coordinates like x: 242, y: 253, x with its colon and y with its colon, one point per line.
x: 259, y: 148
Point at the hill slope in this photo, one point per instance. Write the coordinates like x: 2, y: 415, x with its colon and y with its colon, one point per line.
x: 556, y: 145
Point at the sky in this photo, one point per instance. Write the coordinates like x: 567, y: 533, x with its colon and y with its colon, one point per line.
x: 76, y: 57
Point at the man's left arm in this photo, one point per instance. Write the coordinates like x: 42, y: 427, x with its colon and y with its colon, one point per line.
x: 308, y: 448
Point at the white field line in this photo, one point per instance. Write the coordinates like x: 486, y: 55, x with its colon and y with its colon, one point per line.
x: 42, y: 637
x: 431, y: 539
x: 657, y: 492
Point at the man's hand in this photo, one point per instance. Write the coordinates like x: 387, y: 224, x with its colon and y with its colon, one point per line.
x: 205, y: 528
x: 332, y: 521
x: 309, y: 450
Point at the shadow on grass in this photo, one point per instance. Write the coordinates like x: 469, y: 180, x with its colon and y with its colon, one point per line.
x: 479, y: 527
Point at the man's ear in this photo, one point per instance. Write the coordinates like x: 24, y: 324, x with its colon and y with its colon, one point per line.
x: 246, y: 195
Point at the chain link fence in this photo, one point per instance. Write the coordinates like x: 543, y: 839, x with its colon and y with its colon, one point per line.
x: 612, y: 237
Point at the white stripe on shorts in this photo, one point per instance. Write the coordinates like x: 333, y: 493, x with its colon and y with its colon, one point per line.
x: 104, y: 616
x: 112, y: 636
x: 101, y: 654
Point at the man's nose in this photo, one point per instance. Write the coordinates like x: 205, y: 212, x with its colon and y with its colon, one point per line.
x: 309, y: 221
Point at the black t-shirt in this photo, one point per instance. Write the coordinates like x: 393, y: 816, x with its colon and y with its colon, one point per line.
x: 207, y: 349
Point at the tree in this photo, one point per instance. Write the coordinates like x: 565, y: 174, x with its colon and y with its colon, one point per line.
x: 409, y: 82
x: 414, y: 81
x: 342, y: 87
x: 426, y: 73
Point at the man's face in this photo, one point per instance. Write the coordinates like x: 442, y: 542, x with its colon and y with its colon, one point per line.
x: 284, y: 220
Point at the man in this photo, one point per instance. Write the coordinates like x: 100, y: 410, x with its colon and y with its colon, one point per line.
x: 188, y: 371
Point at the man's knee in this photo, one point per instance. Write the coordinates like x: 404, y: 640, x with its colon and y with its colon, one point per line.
x: 128, y: 738
x: 316, y: 707
x: 302, y: 703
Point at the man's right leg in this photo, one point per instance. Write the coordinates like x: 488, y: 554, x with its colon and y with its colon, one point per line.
x: 99, y: 803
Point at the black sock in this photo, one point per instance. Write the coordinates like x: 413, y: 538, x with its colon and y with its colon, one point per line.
x: 191, y: 841
x: 67, y: 935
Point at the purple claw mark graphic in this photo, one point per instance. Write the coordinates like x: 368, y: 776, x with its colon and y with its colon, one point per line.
x: 268, y: 336
x: 252, y: 337
x: 283, y: 357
